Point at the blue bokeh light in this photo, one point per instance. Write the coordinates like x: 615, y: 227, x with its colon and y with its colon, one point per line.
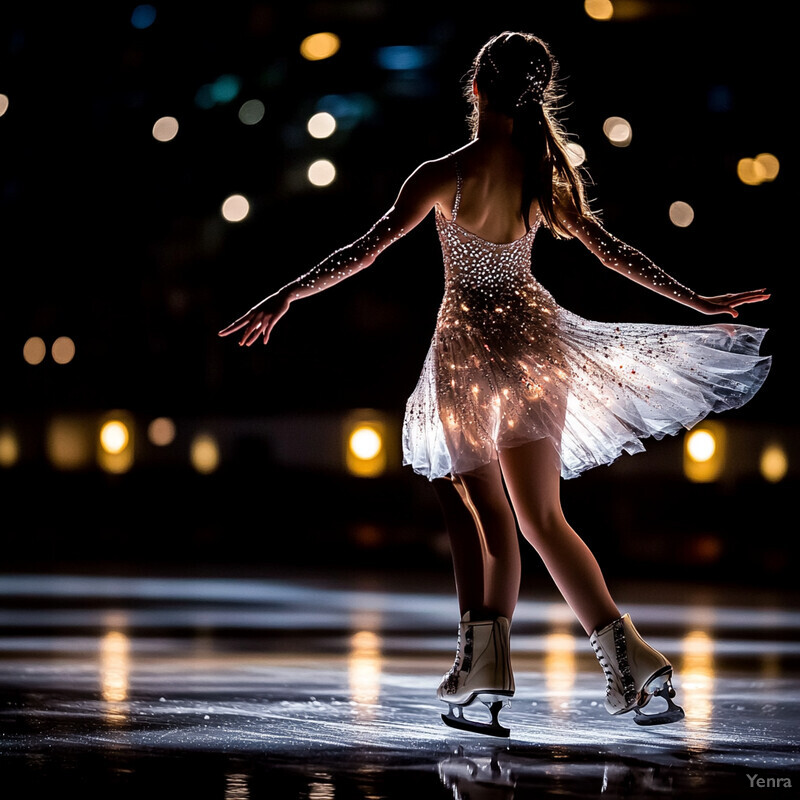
x: 404, y: 57
x: 143, y: 16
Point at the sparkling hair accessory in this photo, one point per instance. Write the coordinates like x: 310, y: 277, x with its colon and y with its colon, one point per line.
x: 537, y: 81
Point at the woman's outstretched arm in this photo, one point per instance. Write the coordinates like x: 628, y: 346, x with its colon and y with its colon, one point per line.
x: 426, y: 186
x: 633, y: 264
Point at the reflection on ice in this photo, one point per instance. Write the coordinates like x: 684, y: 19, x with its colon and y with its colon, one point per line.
x: 321, y: 787
x: 559, y: 669
x: 696, y: 682
x: 364, y: 670
x: 236, y: 787
x: 114, y: 666
x: 114, y: 676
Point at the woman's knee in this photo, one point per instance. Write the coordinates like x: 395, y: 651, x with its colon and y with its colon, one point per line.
x: 542, y: 526
x: 489, y: 506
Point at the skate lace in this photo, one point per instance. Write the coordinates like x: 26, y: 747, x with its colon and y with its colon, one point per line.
x: 621, y: 647
x: 451, y: 679
x: 627, y: 684
x: 604, y: 664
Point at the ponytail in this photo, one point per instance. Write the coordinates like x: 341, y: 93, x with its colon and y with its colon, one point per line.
x: 516, y: 74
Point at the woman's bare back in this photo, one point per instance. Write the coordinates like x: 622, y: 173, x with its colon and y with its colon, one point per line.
x: 491, y: 193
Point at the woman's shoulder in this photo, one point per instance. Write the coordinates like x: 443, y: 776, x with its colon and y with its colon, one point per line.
x: 435, y: 175
x: 439, y: 168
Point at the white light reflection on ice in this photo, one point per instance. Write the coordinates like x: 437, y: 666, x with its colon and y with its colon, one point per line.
x: 114, y: 674
x: 364, y: 666
x: 321, y: 788
x: 559, y: 669
x: 697, y: 685
x: 236, y: 787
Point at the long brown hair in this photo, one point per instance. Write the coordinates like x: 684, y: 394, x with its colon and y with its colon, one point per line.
x: 516, y: 75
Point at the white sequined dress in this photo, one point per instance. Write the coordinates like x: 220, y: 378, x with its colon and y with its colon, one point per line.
x: 508, y: 365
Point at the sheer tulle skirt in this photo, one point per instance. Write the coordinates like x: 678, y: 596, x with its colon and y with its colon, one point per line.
x: 594, y: 389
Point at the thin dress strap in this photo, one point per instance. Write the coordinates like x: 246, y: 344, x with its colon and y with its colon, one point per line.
x: 459, y: 184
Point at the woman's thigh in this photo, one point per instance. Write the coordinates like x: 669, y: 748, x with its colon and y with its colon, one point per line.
x: 532, y: 475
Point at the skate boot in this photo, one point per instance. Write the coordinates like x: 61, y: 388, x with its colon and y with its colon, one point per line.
x: 482, y: 671
x: 635, y: 672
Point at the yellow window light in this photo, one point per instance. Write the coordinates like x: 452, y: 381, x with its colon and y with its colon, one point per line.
x: 9, y: 448
x: 774, y: 463
x: 115, y: 443
x: 704, y: 453
x: 69, y: 442
x: 205, y: 454
x: 365, y: 446
x: 114, y: 436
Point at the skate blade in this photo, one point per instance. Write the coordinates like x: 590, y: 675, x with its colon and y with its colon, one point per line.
x: 672, y: 713
x: 675, y: 714
x: 456, y: 719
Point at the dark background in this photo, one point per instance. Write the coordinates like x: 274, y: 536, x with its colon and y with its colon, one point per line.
x: 116, y: 240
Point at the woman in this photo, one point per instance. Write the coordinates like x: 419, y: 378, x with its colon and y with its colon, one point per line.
x: 517, y: 392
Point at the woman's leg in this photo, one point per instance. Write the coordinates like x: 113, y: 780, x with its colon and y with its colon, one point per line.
x: 532, y: 476
x: 484, y: 542
x: 465, y: 545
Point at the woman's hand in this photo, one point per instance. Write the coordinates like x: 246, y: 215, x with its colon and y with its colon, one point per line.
x: 727, y: 303
x: 259, y: 321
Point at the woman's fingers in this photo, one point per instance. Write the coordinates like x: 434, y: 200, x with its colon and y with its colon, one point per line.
x: 232, y: 328
x: 258, y: 328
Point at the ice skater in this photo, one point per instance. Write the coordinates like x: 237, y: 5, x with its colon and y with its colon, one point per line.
x: 517, y: 393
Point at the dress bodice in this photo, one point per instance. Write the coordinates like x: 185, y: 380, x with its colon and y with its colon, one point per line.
x: 484, y: 281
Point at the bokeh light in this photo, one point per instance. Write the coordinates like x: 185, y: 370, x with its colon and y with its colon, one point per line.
x: 219, y: 92
x: 681, y: 214
x: 9, y: 448
x: 63, y: 350
x: 749, y: 172
x: 251, y: 112
x: 404, y: 57
x: 161, y: 431
x: 764, y: 168
x: 704, y: 452
x: 576, y: 154
x: 235, y: 208
x: 774, y: 463
x: 365, y: 442
x: 769, y: 164
x: 165, y: 129
x: 68, y: 443
x: 204, y: 453
x: 601, y: 10
x: 34, y: 350
x: 618, y: 131
x: 365, y: 448
x: 115, y: 443
x: 143, y: 16
x: 319, y: 46
x: 322, y: 173
x: 321, y: 125
x: 701, y: 445
x: 114, y: 436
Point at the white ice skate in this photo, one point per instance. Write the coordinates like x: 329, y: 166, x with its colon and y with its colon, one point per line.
x: 635, y: 673
x: 482, y: 671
